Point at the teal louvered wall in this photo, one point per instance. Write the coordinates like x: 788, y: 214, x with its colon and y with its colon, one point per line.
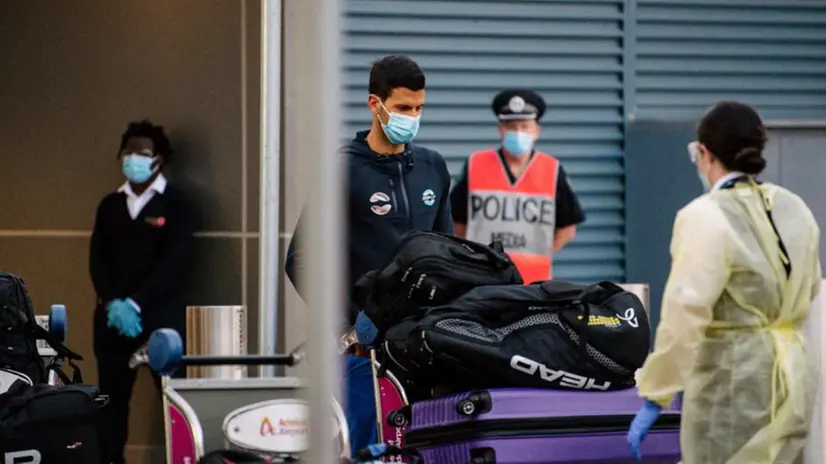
x: 692, y: 53
x: 569, y: 51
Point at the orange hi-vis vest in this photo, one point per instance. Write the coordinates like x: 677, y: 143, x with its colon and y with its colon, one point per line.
x: 521, y: 215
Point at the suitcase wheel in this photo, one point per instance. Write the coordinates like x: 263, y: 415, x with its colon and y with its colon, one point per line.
x: 474, y: 403
x: 399, y: 417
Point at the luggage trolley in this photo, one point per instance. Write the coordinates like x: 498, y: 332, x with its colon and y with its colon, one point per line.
x: 214, y: 414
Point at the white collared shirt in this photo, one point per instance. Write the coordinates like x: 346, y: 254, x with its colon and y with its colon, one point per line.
x: 134, y: 202
x: 721, y: 181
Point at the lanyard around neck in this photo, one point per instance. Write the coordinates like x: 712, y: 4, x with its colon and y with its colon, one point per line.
x: 767, y: 207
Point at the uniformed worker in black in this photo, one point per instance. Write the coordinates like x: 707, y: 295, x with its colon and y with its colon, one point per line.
x: 518, y: 195
x: 140, y: 254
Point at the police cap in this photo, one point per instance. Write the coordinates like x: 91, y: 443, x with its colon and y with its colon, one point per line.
x: 510, y: 105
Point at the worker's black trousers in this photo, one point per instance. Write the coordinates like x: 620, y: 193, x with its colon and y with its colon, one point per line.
x: 116, y: 379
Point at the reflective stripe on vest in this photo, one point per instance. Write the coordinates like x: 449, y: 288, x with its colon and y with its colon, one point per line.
x: 521, y: 215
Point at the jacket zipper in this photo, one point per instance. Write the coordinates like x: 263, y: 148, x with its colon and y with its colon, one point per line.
x: 404, y: 196
x: 393, y: 194
x: 550, y: 426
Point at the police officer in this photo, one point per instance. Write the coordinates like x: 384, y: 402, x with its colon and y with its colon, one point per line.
x: 516, y: 194
x: 139, y: 255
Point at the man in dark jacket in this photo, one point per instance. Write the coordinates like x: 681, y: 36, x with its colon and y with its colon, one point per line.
x: 394, y: 187
x: 139, y: 255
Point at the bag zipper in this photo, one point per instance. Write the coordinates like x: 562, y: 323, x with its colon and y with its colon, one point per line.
x: 438, y: 236
x: 436, y: 259
x: 550, y: 426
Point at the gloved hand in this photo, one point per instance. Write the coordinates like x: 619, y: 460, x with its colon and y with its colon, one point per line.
x: 366, y: 330
x: 123, y: 316
x: 640, y: 426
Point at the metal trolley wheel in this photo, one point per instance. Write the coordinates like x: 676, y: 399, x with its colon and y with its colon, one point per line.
x: 343, y: 428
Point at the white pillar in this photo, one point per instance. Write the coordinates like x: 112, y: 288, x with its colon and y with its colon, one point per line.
x: 270, y: 179
x: 313, y: 31
x: 816, y: 333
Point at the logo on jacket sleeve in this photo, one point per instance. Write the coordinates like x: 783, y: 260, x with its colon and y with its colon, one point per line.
x: 429, y: 197
x: 380, y: 203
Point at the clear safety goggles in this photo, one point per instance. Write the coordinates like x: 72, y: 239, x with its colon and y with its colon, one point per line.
x: 694, y: 151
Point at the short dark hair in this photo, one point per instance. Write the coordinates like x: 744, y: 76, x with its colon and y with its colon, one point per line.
x: 395, y: 71
x: 148, y: 130
x: 735, y: 134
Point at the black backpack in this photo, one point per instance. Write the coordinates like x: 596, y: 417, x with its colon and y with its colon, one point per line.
x: 430, y: 269
x: 549, y: 334
x: 52, y: 424
x: 19, y: 333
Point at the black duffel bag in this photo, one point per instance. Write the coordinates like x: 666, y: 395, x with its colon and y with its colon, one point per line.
x: 430, y: 269
x: 48, y: 424
x: 545, y: 335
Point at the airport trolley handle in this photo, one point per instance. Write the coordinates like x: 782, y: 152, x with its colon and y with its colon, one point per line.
x: 164, y: 352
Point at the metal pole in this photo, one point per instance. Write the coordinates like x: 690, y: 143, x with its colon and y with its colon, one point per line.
x: 270, y: 179
x: 314, y: 30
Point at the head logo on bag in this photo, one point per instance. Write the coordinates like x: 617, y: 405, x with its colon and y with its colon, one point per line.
x: 557, y: 377
x: 22, y: 457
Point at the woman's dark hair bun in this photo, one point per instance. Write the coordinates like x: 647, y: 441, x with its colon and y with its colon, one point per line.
x: 750, y: 161
x: 734, y: 133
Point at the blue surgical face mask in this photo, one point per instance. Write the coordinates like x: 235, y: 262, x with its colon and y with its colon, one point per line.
x: 137, y: 168
x: 400, y: 129
x: 518, y: 144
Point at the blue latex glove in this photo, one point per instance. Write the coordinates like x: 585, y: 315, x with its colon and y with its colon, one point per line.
x: 640, y: 426
x: 366, y: 331
x: 123, y: 316
x: 113, y: 316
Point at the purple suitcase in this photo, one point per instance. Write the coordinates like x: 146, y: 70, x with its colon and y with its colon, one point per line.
x: 537, y: 426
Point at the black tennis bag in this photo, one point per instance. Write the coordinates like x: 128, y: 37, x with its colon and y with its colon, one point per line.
x: 430, y: 269
x: 49, y: 424
x: 545, y: 335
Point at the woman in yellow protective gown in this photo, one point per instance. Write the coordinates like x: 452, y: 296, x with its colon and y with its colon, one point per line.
x: 744, y: 272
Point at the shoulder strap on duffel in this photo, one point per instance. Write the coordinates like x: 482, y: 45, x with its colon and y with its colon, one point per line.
x: 600, y: 292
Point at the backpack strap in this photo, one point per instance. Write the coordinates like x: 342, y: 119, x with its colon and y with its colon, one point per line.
x: 77, y: 376
x: 63, y: 352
